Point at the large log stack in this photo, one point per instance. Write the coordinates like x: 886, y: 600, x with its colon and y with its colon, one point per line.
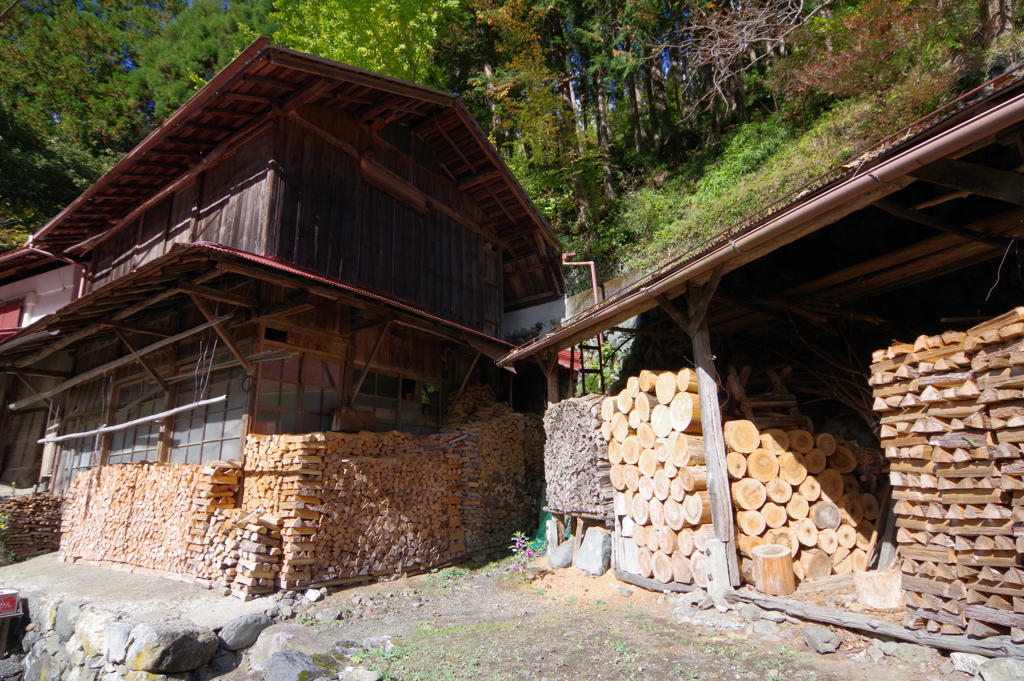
x: 662, y: 509
x: 33, y: 525
x: 800, y: 491
x: 576, y: 465
x: 952, y: 420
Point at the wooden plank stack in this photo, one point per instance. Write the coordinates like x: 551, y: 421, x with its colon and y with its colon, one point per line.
x: 33, y: 525
x: 576, y: 465
x: 952, y: 420
x: 799, y: 490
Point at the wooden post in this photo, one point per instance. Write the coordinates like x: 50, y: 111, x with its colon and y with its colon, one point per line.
x: 696, y: 326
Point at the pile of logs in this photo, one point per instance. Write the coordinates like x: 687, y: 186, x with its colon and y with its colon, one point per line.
x: 136, y: 514
x: 663, y: 515
x: 476, y: 404
x: 798, y: 490
x: 952, y: 409
x: 32, y: 525
x: 576, y: 465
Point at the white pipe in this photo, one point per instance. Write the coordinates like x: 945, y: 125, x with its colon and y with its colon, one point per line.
x: 29, y: 308
x: 129, y: 424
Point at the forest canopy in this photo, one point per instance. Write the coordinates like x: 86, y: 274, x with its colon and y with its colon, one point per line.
x: 639, y: 128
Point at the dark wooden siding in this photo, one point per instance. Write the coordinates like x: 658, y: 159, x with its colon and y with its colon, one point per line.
x: 335, y: 224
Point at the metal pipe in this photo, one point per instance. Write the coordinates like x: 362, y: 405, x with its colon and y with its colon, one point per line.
x: 940, y: 146
x: 597, y: 301
x: 593, y: 272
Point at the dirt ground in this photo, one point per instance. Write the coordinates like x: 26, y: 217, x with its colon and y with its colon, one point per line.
x: 481, y: 622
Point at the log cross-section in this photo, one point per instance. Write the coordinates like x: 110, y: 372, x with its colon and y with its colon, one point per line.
x: 110, y: 366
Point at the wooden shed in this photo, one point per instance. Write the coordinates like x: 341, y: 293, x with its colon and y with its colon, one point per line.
x: 321, y: 246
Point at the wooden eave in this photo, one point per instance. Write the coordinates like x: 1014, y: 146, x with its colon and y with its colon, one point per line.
x: 198, y: 270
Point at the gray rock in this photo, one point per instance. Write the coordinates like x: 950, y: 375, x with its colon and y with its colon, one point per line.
x: 876, y: 654
x: 314, y: 595
x: 328, y: 615
x: 1003, y: 669
x: 169, y: 648
x: 291, y: 665
x: 242, y: 632
x: 360, y: 674
x: 625, y: 592
x: 287, y: 611
x: 750, y: 612
x: 947, y: 669
x: 116, y: 640
x: 786, y: 633
x: 889, y: 647
x: 967, y: 662
x: 765, y: 628
x: 346, y: 648
x: 706, y: 603
x: 67, y: 618
x: 224, y: 661
x: 912, y: 653
x: 773, y: 616
x: 560, y: 556
x: 595, y: 555
x: 378, y: 642
x: 820, y: 639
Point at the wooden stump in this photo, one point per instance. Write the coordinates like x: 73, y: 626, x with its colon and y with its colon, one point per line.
x: 773, y: 570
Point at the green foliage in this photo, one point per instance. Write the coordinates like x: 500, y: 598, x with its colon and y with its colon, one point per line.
x: 200, y: 41
x: 393, y: 37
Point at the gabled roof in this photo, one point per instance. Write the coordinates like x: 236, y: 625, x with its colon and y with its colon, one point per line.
x: 265, y: 81
x: 969, y: 122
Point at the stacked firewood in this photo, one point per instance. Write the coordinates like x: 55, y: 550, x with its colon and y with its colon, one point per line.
x: 135, y: 514
x: 497, y: 497
x: 33, y: 525
x: 800, y: 491
x: 952, y: 409
x: 576, y: 463
x: 475, y: 405
x: 657, y: 457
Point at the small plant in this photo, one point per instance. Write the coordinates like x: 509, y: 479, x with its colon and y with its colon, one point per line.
x: 571, y: 600
x: 305, y: 620
x: 522, y: 552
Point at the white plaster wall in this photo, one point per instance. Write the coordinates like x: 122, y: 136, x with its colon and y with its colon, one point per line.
x: 51, y: 291
x: 524, y: 321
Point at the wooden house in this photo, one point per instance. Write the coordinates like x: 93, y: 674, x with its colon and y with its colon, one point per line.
x: 302, y: 246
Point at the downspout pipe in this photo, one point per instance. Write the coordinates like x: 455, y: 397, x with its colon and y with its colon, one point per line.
x: 940, y: 146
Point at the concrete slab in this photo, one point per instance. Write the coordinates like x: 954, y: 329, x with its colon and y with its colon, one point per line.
x: 124, y: 592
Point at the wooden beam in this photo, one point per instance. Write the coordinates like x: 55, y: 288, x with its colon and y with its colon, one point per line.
x: 214, y: 294
x: 294, y: 304
x: 899, y: 211
x: 462, y: 386
x: 369, y: 361
x: 109, y: 366
x: 44, y: 373
x: 222, y: 332
x: 137, y: 328
x: 64, y: 341
x: 484, y: 176
x: 698, y: 299
x: 142, y: 360
x: 996, y: 184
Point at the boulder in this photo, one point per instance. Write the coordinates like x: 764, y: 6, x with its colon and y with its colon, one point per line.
x: 967, y: 663
x: 115, y: 640
x: 359, y: 674
x: 291, y: 665
x: 90, y: 628
x: 328, y: 615
x: 66, y: 618
x: 750, y: 612
x: 169, y: 648
x: 242, y: 632
x: 146, y: 676
x: 821, y: 640
x: 1002, y: 669
x: 272, y: 640
x: 560, y: 556
x: 764, y: 627
x: 595, y: 554
x: 314, y: 595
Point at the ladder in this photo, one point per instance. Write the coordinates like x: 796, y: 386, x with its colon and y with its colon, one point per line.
x: 583, y: 371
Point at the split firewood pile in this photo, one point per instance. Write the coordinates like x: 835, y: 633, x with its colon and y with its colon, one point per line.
x: 802, y: 492
x: 576, y: 463
x: 952, y: 409
x: 32, y: 525
x: 476, y: 404
x: 663, y: 514
x: 135, y: 514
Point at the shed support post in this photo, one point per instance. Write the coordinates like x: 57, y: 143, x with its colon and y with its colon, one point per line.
x: 549, y: 365
x: 723, y: 566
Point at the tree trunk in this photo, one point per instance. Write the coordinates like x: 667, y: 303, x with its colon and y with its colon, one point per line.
x: 603, y: 136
